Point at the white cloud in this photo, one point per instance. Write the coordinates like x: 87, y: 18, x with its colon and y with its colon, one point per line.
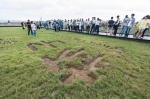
x: 67, y: 9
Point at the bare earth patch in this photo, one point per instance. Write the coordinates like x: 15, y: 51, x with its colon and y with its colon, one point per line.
x: 85, y: 72
x: 32, y: 47
x: 78, y: 74
x: 53, y: 64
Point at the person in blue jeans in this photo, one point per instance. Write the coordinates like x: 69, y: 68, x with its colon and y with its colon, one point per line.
x: 47, y: 25
x: 130, y: 25
x: 33, y: 27
x: 124, y: 25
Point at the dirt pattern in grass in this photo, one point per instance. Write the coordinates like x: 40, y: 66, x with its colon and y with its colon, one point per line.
x: 53, y: 64
x: 32, y: 47
x: 84, y: 73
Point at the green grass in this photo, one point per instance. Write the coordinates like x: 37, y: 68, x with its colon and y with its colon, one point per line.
x: 24, y: 75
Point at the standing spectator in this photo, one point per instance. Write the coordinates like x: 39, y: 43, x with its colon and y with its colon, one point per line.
x: 54, y: 25
x: 110, y: 26
x: 85, y: 25
x: 23, y: 25
x: 33, y: 27
x: 97, y: 23
x: 37, y: 25
x: 93, y: 25
x: 29, y: 27
x: 142, y: 26
x: 69, y: 25
x: 61, y: 24
x: 9, y: 22
x: 77, y: 25
x: 40, y: 24
x: 65, y: 24
x: 124, y: 25
x: 74, y: 25
x: 146, y: 30
x: 82, y: 25
x: 88, y: 25
x: 130, y: 25
x: 116, y: 25
x: 57, y: 26
x: 47, y: 25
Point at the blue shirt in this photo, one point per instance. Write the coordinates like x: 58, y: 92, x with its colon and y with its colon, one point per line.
x: 47, y: 23
x: 82, y: 23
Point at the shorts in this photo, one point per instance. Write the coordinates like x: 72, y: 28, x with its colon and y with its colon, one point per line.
x: 141, y: 28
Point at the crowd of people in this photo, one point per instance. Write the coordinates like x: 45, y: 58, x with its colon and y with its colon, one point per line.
x: 92, y: 26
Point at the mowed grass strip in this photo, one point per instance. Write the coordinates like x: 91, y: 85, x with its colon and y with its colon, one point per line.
x: 123, y: 71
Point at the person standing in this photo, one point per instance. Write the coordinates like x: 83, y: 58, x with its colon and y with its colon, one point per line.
x: 88, y: 25
x: 116, y: 25
x: 124, y: 25
x: 9, y: 22
x: 47, y: 25
x: 130, y: 25
x: 82, y: 25
x: 23, y: 25
x: 69, y: 25
x: 110, y: 26
x: 33, y: 28
x: 65, y: 24
x: 74, y: 25
x: 97, y: 23
x: 142, y: 26
x: 93, y: 25
x: 77, y: 25
x: 54, y: 25
x: 29, y: 27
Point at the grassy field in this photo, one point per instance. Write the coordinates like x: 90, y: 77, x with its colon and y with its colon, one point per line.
x: 67, y: 65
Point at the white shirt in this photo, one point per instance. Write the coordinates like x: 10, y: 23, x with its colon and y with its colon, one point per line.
x: 88, y: 22
x: 97, y: 22
x: 70, y: 23
x: 148, y: 26
x: 130, y: 20
x: 93, y: 21
x: 78, y: 23
x: 33, y: 26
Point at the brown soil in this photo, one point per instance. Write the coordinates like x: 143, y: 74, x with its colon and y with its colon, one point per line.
x: 53, y: 64
x: 78, y: 74
x: 32, y: 47
x: 84, y: 74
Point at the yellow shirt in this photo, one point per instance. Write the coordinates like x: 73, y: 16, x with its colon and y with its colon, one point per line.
x: 143, y: 23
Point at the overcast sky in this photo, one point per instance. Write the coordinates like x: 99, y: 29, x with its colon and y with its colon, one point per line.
x: 67, y: 9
